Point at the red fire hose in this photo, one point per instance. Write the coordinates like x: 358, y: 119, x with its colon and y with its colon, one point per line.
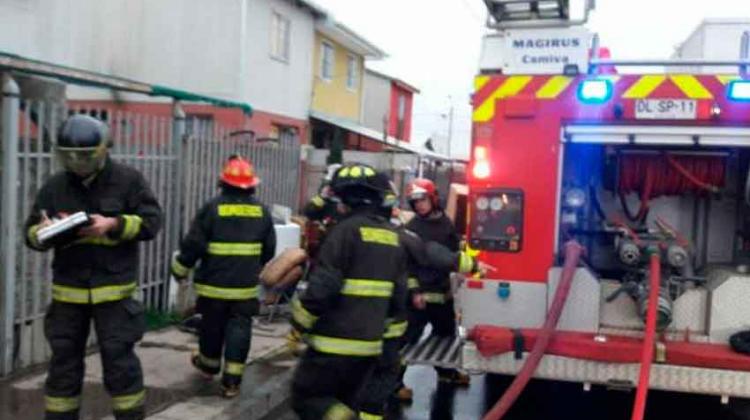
x: 667, y: 175
x: 647, y: 355
x: 573, y: 251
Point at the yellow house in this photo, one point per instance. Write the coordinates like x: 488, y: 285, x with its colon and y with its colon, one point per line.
x: 338, y: 69
x: 336, y: 107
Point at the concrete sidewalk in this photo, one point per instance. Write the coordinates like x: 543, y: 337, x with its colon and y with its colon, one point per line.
x: 175, y: 390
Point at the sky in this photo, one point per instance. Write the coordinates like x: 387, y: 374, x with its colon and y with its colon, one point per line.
x: 434, y: 45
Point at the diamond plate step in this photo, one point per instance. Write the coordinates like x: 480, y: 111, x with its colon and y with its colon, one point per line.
x: 437, y: 351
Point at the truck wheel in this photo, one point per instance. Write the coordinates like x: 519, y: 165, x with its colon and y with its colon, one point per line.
x: 738, y: 409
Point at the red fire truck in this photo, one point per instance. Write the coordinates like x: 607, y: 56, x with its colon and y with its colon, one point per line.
x: 648, y: 172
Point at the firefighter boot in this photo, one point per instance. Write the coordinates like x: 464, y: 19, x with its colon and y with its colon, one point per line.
x: 138, y: 413
x: 456, y: 378
x: 237, y: 346
x: 230, y: 390
x: 199, y: 363
x: 119, y: 325
x: 232, y: 378
x: 66, y: 327
x: 404, y: 394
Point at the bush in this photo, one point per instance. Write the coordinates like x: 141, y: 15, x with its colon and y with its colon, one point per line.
x: 156, y: 320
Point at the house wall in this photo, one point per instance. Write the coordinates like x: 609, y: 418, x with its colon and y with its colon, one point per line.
x: 219, y: 49
x: 274, y: 86
x: 377, y: 101
x: 333, y: 97
x: 396, y: 92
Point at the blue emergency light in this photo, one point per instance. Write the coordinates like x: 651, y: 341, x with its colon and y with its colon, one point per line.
x: 595, y: 91
x: 739, y: 90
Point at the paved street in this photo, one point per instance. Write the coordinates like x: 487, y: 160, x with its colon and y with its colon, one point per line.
x: 175, y: 390
x: 177, y: 393
x: 547, y: 400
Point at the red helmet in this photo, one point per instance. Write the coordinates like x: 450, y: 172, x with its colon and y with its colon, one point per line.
x: 239, y: 173
x: 421, y: 188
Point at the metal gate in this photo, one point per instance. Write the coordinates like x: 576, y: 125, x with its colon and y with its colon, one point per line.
x: 207, y: 148
x: 141, y: 141
x: 182, y: 171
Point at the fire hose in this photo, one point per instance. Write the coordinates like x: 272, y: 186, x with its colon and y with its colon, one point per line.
x: 573, y: 251
x: 667, y: 175
x: 647, y: 354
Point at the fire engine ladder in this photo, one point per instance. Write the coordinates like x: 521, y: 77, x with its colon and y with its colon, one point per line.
x: 743, y: 63
x: 436, y: 351
x: 508, y: 14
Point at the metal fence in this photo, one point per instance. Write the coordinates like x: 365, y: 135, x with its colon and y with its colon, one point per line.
x: 401, y: 168
x: 181, y: 169
x: 276, y: 163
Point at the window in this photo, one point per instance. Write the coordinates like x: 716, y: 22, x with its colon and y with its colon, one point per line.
x: 352, y: 72
x: 326, y: 61
x: 400, y: 124
x: 401, y: 106
x: 199, y: 125
x: 284, y: 134
x: 280, y: 27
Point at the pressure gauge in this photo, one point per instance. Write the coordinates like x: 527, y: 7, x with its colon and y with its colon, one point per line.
x: 496, y: 204
x: 483, y: 203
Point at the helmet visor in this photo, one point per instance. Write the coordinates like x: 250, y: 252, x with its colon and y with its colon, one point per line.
x: 83, y: 161
x: 417, y: 195
x: 390, y: 200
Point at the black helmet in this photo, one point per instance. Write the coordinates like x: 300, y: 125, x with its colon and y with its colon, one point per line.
x: 740, y: 342
x: 82, y: 144
x: 359, y: 184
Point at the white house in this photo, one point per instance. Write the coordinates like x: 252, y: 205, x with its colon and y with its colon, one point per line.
x: 254, y: 51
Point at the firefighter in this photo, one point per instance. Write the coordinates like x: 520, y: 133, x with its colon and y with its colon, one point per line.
x: 322, y: 207
x: 432, y: 300
x: 95, y: 271
x: 385, y: 378
x: 381, y: 384
x: 233, y: 237
x: 358, y: 282
x: 322, y: 212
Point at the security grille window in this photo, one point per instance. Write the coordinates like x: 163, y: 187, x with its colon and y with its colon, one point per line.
x: 284, y: 134
x: 326, y: 61
x: 352, y: 72
x: 280, y: 28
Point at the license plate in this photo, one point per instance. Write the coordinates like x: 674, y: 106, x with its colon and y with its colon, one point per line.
x: 666, y: 109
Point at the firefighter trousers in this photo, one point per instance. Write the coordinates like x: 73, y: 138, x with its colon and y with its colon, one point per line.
x: 226, y: 325
x: 383, y: 381
x: 118, y: 325
x: 442, y: 319
x: 328, y: 386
